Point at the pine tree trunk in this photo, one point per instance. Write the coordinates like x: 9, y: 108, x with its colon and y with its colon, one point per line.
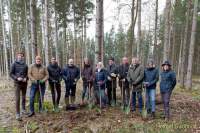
x: 155, y: 30
x: 99, y: 31
x: 167, y: 30
x: 192, y: 45
x: 33, y: 29
x: 4, y: 40
x: 139, y: 29
x: 46, y: 33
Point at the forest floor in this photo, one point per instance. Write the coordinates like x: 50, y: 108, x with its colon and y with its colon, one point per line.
x: 185, y: 111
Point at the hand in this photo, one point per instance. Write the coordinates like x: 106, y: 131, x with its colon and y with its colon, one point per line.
x: 19, y: 79
x: 123, y: 80
x: 109, y: 78
x: 100, y: 82
x: 24, y: 79
x: 146, y: 84
x: 34, y: 82
x: 113, y: 74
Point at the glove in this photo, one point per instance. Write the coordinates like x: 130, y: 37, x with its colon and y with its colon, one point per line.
x: 41, y: 81
x: 123, y: 80
x: 113, y: 74
x: 109, y: 78
x: 19, y: 79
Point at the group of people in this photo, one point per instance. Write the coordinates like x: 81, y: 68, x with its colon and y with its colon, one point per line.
x: 98, y: 82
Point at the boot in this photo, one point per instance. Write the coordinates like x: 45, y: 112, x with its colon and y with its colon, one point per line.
x: 67, y: 102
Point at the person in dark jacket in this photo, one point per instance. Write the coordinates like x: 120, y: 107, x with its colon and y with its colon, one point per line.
x: 123, y: 82
x: 100, y: 84
x: 71, y: 75
x: 151, y: 77
x: 135, y: 78
x: 167, y: 84
x: 87, y: 77
x: 55, y: 78
x: 112, y: 81
x: 19, y: 73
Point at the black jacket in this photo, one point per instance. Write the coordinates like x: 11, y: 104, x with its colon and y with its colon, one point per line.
x: 55, y: 73
x: 19, y: 69
x: 122, y: 73
x: 70, y: 73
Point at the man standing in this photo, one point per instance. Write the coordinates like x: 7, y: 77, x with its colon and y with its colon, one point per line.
x: 38, y: 75
x: 71, y: 75
x: 135, y: 78
x: 123, y: 82
x: 151, y: 76
x: 111, y: 82
x: 18, y: 73
x: 55, y: 77
x: 87, y: 77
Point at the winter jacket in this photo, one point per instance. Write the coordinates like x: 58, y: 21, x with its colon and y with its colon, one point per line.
x: 168, y: 81
x: 70, y: 74
x: 55, y: 73
x: 87, y: 74
x: 135, y: 77
x: 151, y: 75
x: 122, y: 73
x: 38, y: 72
x: 18, y: 69
x: 100, y: 76
x: 112, y: 69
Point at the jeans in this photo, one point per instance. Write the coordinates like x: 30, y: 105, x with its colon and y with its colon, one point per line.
x: 166, y: 99
x: 55, y: 89
x: 103, y: 97
x: 150, y: 99
x: 18, y: 89
x: 139, y: 97
x: 34, y: 89
x: 70, y: 90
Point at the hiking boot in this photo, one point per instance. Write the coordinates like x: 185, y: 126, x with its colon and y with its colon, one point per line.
x: 18, y: 118
x: 153, y: 115
x: 31, y: 114
x: 24, y: 112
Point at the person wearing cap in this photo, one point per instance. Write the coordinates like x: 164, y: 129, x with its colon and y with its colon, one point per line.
x: 19, y: 73
x: 87, y: 77
x: 100, y: 79
x: 38, y: 75
x: 167, y: 84
x: 123, y: 82
x: 135, y: 78
x: 71, y: 75
x: 111, y: 82
x: 151, y: 77
x: 55, y: 78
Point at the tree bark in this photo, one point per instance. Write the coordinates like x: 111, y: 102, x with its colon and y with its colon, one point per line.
x: 46, y: 33
x: 139, y: 29
x: 192, y: 45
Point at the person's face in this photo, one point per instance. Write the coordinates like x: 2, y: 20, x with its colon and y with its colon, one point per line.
x: 20, y: 57
x: 134, y: 61
x: 150, y: 65
x: 124, y: 61
x: 86, y: 61
x: 110, y: 62
x: 38, y: 61
x: 53, y: 61
x: 166, y: 67
x: 71, y: 62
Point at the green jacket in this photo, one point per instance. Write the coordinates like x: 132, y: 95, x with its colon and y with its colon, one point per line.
x: 135, y: 77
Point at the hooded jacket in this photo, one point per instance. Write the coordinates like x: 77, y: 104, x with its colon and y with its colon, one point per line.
x: 87, y: 73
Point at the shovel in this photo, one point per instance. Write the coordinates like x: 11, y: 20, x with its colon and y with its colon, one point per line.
x: 144, y: 110
x: 122, y: 94
x: 41, y: 98
x: 90, y: 105
x: 128, y: 109
x: 100, y: 104
x: 56, y: 96
x: 112, y: 101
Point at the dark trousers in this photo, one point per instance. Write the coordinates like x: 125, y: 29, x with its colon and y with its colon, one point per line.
x: 86, y: 88
x: 70, y: 90
x: 111, y: 90
x: 166, y: 99
x: 34, y: 89
x: 55, y: 92
x: 20, y: 88
x: 125, y: 91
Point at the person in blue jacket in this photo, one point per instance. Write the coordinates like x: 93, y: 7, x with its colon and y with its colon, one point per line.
x: 167, y: 84
x: 71, y: 75
x: 100, y: 84
x: 151, y: 77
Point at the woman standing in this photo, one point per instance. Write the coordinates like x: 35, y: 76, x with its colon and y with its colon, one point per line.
x: 167, y: 84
